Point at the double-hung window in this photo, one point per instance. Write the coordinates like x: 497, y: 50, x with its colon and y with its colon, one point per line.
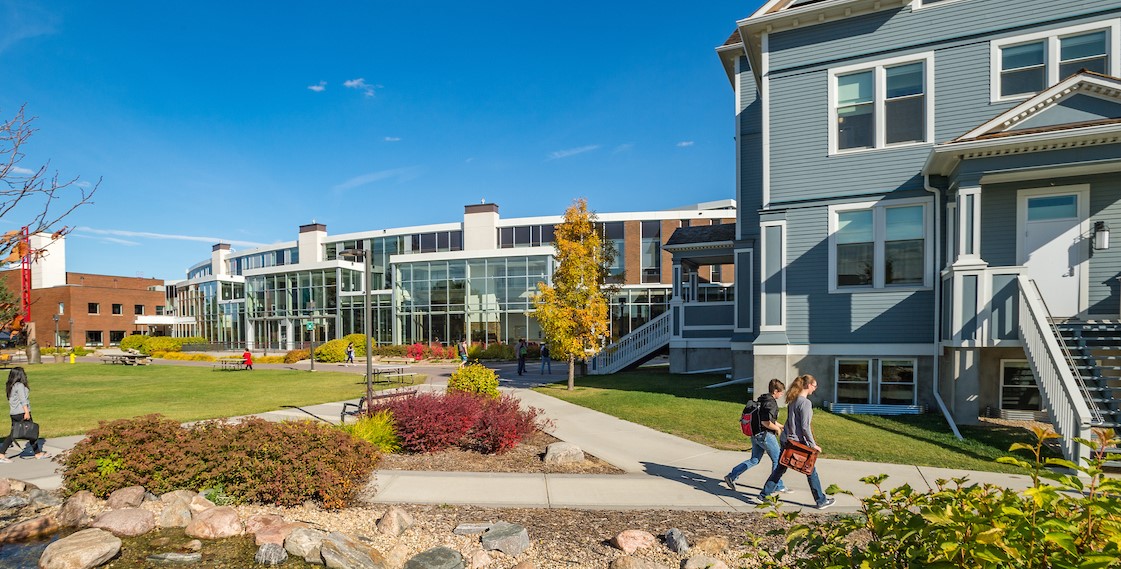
x: 882, y: 104
x: 880, y: 245
x: 880, y: 381
x: 1025, y: 65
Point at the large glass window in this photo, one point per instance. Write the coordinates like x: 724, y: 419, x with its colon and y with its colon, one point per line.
x: 1018, y: 388
x: 897, y: 382
x: 875, y: 381
x: 854, y: 381
x: 650, y: 254
x: 880, y: 246
x: 881, y: 105
x: 93, y: 338
x: 1027, y: 65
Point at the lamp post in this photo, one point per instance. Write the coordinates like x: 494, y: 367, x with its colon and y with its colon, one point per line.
x: 71, y: 339
x: 311, y: 328
x: 55, y: 318
x: 367, y: 323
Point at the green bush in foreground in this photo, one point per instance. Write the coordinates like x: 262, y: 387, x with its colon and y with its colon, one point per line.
x: 253, y: 461
x: 476, y: 379
x: 377, y: 429
x: 1071, y: 522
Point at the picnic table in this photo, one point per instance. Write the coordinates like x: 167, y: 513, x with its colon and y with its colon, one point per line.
x: 230, y: 363
x: 390, y: 373
x: 125, y: 358
x: 355, y: 409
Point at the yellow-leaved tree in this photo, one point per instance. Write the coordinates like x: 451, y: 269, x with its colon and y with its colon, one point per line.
x: 573, y: 310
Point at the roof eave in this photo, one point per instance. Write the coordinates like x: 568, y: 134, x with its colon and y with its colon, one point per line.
x: 944, y: 157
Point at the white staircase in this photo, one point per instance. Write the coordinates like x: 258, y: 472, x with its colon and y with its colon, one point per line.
x: 643, y: 341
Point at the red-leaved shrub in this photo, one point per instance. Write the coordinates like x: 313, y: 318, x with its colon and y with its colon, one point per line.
x: 416, y: 351
x: 430, y: 422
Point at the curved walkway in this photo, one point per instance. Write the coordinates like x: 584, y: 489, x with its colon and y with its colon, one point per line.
x: 661, y: 470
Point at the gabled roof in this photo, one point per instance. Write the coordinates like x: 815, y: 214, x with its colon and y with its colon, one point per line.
x: 1081, y: 110
x: 723, y: 233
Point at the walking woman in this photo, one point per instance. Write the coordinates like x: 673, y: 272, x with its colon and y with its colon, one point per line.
x: 799, y: 413
x: 20, y: 407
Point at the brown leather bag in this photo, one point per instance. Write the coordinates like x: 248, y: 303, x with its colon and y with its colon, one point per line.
x: 798, y: 456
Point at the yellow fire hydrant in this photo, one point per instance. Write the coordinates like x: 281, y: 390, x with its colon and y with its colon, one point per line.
x: 71, y: 357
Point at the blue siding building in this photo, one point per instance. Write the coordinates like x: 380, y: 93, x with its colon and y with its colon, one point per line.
x: 925, y: 193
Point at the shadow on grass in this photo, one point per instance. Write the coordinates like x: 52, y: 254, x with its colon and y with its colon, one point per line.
x: 661, y: 382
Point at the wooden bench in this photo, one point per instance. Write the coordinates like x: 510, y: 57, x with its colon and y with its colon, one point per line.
x: 353, y: 409
x: 396, y: 360
x: 229, y: 364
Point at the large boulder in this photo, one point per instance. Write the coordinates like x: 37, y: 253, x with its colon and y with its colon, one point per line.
x: 676, y: 542
x: 305, y: 543
x: 628, y: 562
x: 713, y: 545
x: 511, y: 539
x: 341, y: 551
x: 563, y: 453
x: 29, y: 529
x: 395, y: 522
x: 43, y: 499
x: 632, y: 540
x: 270, y: 554
x: 184, y: 495
x: 78, y: 510
x: 130, y: 497
x: 199, y: 503
x: 127, y: 522
x: 704, y: 562
x: 215, y: 523
x: 437, y: 558
x: 176, y: 513
x: 81, y: 550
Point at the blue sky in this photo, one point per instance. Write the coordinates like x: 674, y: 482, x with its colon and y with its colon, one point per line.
x: 238, y: 122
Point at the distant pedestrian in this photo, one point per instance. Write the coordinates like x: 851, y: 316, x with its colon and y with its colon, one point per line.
x: 461, y: 351
x: 546, y: 362
x: 765, y: 439
x: 799, y: 414
x: 247, y: 359
x: 522, y: 351
x: 19, y: 404
x: 349, y: 353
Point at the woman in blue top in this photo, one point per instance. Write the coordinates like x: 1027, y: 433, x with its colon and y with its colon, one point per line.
x: 799, y: 413
x: 19, y: 404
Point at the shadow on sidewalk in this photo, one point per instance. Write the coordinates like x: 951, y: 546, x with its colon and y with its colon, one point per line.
x: 701, y: 482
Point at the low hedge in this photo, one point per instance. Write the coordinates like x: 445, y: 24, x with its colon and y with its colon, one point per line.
x: 253, y: 461
x: 151, y: 344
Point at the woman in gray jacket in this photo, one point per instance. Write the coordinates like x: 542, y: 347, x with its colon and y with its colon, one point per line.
x: 19, y: 404
x: 799, y: 413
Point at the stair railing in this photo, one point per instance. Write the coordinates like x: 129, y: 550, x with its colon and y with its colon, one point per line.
x: 1095, y: 413
x: 628, y: 349
x: 1067, y: 400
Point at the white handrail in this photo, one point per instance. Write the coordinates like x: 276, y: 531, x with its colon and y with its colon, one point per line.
x: 1066, y: 402
x: 639, y: 343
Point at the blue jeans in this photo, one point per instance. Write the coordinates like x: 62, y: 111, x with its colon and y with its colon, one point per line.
x: 775, y: 482
x: 765, y: 442
x: 546, y: 363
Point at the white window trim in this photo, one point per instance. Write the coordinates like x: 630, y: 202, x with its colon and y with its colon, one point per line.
x: 880, y: 382
x: 1051, y: 61
x: 879, y: 228
x: 837, y: 379
x: 880, y: 88
x: 920, y: 4
x: 782, y: 277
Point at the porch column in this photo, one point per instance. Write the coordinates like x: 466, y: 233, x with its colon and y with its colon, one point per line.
x: 969, y: 226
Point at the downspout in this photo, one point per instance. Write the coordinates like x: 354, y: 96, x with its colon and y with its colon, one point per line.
x: 937, y: 304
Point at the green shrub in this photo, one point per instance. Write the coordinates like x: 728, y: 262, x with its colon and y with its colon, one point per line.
x: 253, y: 461
x: 1072, y: 521
x: 359, y: 341
x: 391, y: 351
x: 497, y: 351
x: 180, y: 356
x: 67, y: 350
x: 331, y: 352
x: 268, y: 360
x: 377, y: 429
x: 477, y: 379
x: 296, y: 355
x: 133, y: 342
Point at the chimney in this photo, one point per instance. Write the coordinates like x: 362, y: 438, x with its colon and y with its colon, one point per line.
x: 480, y: 227
x: 219, y: 259
x: 310, y: 243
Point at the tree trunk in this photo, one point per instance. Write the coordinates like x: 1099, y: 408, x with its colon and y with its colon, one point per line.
x: 571, y: 373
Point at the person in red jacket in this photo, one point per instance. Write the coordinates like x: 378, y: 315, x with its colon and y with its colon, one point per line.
x: 247, y: 359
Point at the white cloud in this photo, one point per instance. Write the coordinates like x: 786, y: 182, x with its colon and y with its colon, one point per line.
x: 120, y: 241
x: 83, y: 184
x: 170, y: 236
x: 322, y: 86
x: 400, y: 174
x: 393, y: 139
x: 685, y: 144
x: 361, y: 85
x: 557, y: 155
x: 21, y: 171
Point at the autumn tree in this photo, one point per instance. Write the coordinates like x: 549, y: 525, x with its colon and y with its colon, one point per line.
x: 32, y: 197
x: 573, y: 310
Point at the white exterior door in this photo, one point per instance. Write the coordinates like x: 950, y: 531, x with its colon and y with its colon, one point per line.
x: 1052, y: 222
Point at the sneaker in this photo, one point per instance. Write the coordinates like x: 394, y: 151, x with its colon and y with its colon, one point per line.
x: 728, y: 480
x: 828, y: 502
x: 5, y: 460
x: 41, y: 456
x: 785, y: 490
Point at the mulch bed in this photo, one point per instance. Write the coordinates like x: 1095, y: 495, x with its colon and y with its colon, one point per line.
x: 526, y: 457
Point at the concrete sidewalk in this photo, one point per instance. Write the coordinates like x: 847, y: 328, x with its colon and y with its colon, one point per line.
x: 661, y: 470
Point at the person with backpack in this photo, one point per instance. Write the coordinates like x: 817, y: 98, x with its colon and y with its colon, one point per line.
x: 461, y: 350
x: 349, y: 354
x: 799, y: 414
x: 546, y: 362
x: 521, y: 351
x: 764, y: 429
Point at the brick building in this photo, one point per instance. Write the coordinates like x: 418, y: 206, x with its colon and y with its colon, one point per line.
x: 92, y: 310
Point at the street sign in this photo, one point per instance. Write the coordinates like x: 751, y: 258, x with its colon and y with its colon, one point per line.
x: 310, y: 326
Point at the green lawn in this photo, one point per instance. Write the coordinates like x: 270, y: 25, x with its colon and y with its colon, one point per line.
x: 71, y: 399
x: 681, y: 405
